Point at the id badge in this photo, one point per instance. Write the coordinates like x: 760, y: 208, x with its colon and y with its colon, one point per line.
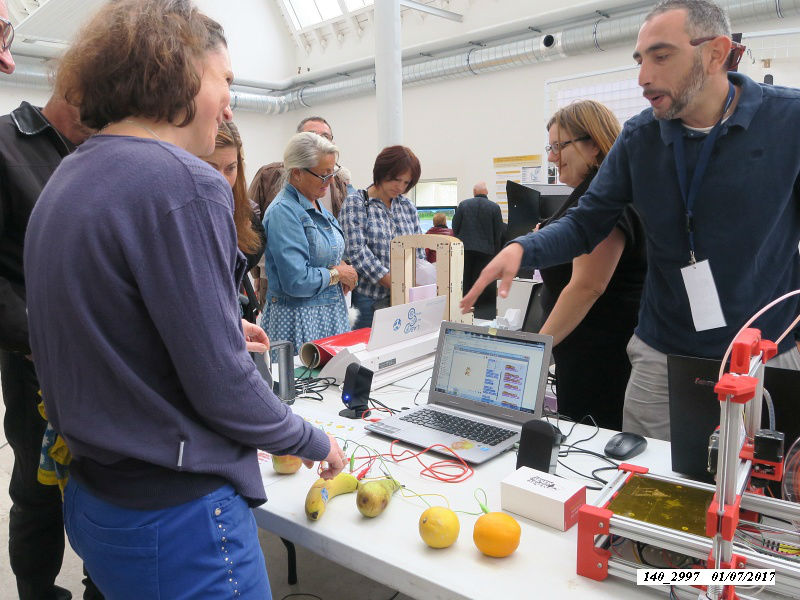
x: 703, y: 296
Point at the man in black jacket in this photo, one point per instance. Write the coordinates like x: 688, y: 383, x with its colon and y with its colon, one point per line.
x: 32, y: 144
x: 478, y: 223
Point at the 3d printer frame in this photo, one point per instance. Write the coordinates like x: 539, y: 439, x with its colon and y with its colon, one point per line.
x: 737, y: 466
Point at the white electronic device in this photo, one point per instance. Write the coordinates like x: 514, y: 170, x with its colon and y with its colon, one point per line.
x: 402, y: 342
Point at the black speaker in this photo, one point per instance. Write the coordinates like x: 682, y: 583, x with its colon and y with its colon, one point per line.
x: 538, y: 446
x: 355, y: 391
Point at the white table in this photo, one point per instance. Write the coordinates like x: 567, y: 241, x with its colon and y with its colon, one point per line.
x: 389, y: 549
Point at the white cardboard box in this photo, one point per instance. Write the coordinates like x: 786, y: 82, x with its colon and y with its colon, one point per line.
x: 542, y: 497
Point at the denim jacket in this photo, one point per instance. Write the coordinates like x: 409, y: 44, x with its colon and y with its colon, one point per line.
x: 303, y: 244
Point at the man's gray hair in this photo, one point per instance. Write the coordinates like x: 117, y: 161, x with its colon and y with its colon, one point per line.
x: 703, y: 18
x: 302, y: 123
x: 305, y: 150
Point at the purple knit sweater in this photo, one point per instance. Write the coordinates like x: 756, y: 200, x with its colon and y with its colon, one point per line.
x: 132, y: 273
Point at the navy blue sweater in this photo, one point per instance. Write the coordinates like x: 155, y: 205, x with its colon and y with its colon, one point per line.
x: 132, y: 273
x: 747, y: 218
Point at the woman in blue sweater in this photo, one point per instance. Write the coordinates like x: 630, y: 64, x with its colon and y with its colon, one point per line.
x: 132, y: 271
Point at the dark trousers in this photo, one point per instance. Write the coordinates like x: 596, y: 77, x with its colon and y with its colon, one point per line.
x: 36, y: 526
x: 592, y: 370
x: 486, y: 304
x: 35, y: 522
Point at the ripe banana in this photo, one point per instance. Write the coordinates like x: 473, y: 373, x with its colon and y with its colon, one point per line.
x: 323, y: 490
x: 373, y: 496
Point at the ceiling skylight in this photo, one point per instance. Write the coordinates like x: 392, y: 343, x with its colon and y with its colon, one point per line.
x: 308, y: 13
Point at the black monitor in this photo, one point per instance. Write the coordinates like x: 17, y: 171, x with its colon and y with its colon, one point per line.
x: 551, y: 198
x: 534, y: 313
x: 528, y: 205
x: 694, y: 410
x: 523, y: 209
x: 531, y: 203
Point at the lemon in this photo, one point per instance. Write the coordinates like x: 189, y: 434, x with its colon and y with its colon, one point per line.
x: 496, y: 534
x: 439, y: 527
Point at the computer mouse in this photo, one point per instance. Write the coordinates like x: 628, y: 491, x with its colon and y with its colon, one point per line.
x: 625, y: 445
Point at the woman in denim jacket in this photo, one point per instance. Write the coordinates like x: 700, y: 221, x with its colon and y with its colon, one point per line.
x: 303, y: 259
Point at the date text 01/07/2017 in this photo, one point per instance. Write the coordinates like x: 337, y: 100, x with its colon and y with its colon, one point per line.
x: 705, y: 576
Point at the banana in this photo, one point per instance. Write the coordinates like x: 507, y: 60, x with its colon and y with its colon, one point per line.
x: 373, y: 496
x: 323, y: 490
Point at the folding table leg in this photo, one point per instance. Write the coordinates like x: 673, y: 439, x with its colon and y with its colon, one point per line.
x: 292, y: 559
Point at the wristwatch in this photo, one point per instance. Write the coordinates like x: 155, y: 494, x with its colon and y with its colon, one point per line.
x: 334, y: 277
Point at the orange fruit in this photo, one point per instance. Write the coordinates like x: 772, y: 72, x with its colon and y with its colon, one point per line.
x: 496, y: 534
x: 438, y: 527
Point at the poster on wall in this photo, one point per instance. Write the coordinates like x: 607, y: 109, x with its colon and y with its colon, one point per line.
x: 520, y: 169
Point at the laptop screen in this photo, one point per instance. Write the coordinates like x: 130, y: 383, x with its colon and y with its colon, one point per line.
x: 502, y: 372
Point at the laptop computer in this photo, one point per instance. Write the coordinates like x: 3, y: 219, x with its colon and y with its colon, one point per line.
x: 694, y: 410
x: 485, y: 384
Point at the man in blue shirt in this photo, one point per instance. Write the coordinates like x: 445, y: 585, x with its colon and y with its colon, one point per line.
x: 714, y: 176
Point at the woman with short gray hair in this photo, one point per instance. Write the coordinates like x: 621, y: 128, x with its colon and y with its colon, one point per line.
x: 305, y: 244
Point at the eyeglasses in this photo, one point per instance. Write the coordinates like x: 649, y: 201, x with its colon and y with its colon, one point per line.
x: 737, y: 50
x: 6, y: 34
x: 557, y: 147
x: 324, y: 178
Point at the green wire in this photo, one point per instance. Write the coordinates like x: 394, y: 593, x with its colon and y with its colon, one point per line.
x: 483, y: 504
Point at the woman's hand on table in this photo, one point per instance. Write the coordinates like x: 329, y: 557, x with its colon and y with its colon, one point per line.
x: 332, y: 464
x: 255, y: 337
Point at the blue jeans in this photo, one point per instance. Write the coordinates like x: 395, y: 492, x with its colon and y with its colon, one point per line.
x: 366, y: 308
x: 206, y: 548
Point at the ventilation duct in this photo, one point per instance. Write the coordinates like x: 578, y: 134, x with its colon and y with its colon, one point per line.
x: 599, y: 35
x: 28, y: 75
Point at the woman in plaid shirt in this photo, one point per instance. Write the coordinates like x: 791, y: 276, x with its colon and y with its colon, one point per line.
x: 371, y: 219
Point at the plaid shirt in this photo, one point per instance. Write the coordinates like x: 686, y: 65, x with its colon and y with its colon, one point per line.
x: 369, y: 228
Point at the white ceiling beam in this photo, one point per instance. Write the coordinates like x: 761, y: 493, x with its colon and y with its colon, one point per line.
x: 343, y: 8
x: 432, y: 10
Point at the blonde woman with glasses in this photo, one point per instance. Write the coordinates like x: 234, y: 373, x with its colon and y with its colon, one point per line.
x: 591, y: 304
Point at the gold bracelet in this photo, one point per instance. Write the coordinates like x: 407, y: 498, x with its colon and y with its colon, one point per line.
x: 334, y: 277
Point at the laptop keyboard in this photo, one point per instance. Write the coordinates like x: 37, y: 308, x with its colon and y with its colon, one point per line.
x: 471, y: 430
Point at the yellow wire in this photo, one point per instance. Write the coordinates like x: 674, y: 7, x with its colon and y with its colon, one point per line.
x: 422, y: 497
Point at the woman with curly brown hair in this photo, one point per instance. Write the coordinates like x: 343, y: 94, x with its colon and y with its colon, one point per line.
x: 132, y: 268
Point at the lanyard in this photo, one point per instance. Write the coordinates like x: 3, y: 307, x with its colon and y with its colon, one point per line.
x: 690, y: 194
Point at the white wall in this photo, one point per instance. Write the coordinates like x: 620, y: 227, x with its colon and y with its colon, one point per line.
x: 259, y: 41
x: 457, y: 126
x: 11, y: 96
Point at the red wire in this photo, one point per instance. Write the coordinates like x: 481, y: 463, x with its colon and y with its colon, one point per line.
x: 453, y: 470
x: 367, y: 415
x: 439, y: 469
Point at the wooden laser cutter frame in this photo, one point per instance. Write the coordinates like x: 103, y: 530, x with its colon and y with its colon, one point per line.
x: 449, y: 270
